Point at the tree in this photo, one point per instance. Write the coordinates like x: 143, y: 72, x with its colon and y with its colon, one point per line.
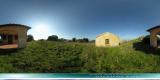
x: 85, y: 40
x: 30, y: 38
x: 146, y: 39
x: 53, y: 38
x: 74, y: 39
x: 41, y: 40
x: 62, y: 39
x: 92, y: 41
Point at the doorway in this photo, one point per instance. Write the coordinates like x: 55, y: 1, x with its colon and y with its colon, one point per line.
x: 106, y: 41
x: 10, y: 39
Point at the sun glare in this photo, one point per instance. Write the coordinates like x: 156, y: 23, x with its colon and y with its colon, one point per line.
x: 42, y: 28
x: 41, y: 31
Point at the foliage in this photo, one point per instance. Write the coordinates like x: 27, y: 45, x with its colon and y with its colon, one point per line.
x: 146, y: 39
x: 62, y: 39
x: 53, y: 38
x: 93, y: 41
x: 80, y: 40
x: 73, y: 57
x: 83, y: 40
x: 74, y: 39
x: 30, y: 38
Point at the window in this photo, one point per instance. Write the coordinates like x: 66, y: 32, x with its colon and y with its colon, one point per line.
x: 106, y: 41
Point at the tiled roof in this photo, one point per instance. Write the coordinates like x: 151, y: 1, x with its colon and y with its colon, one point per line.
x: 12, y: 24
x: 156, y: 27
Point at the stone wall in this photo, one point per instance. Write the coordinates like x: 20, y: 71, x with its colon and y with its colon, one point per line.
x: 153, y: 37
x: 16, y: 30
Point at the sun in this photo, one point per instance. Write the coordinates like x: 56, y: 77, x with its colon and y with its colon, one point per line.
x: 41, y: 30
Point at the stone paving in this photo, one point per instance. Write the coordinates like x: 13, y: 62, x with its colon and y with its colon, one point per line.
x: 10, y: 46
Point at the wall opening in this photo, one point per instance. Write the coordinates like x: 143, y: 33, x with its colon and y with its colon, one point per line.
x: 106, y: 41
x: 1, y: 40
x: 8, y: 41
x: 158, y: 40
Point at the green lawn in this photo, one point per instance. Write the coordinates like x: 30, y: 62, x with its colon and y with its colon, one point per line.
x: 60, y: 57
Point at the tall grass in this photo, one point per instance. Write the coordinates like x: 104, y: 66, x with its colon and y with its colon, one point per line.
x: 48, y: 56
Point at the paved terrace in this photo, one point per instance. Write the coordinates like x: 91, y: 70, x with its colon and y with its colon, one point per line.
x: 9, y: 46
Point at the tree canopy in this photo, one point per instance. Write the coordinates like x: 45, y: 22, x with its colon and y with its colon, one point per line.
x: 53, y: 38
x: 30, y: 38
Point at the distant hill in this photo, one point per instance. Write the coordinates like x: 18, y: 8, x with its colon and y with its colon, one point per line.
x: 48, y: 56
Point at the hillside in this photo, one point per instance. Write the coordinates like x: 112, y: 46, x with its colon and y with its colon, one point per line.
x: 46, y: 56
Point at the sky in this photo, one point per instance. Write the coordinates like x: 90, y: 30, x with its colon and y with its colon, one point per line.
x: 82, y: 18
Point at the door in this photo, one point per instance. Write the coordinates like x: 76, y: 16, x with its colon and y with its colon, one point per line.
x: 10, y: 39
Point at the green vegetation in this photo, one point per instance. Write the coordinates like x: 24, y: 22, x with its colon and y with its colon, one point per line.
x: 72, y: 57
x: 30, y: 38
x: 53, y: 38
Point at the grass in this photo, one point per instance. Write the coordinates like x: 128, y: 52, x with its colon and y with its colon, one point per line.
x: 60, y: 57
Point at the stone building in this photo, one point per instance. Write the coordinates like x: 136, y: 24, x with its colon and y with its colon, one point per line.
x: 107, y: 39
x: 154, y: 31
x: 14, y: 34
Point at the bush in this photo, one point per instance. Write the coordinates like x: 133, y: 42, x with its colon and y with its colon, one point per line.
x: 146, y: 39
x: 53, y: 38
x: 74, y: 39
x: 30, y: 38
x: 83, y: 40
x: 62, y: 39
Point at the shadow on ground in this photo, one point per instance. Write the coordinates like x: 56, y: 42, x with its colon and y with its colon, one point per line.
x: 7, y: 51
x: 141, y: 46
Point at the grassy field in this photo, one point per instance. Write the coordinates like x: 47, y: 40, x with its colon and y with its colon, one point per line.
x: 59, y: 57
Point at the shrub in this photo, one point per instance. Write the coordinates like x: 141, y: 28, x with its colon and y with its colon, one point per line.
x: 53, y: 38
x: 83, y: 40
x: 30, y: 38
x: 74, y: 39
x: 146, y: 39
